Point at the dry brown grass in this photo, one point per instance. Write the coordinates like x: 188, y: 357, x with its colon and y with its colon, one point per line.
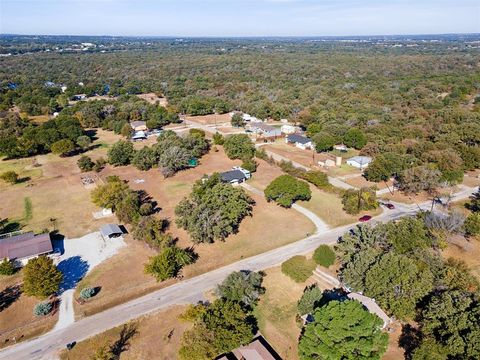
x: 360, y: 181
x: 158, y: 337
x: 251, y: 239
x: 276, y: 312
x: 212, y: 119
x: 471, y: 256
x: 17, y: 320
x: 472, y: 178
x: 394, y: 351
x: 153, y: 98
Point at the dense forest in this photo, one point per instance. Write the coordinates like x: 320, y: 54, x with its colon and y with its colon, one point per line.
x: 418, y: 98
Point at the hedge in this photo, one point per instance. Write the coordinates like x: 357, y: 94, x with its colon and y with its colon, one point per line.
x: 298, y: 268
x: 324, y: 256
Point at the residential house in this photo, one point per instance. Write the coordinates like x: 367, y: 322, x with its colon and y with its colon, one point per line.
x: 288, y: 129
x: 360, y: 162
x: 139, y: 125
x: 265, y: 130
x: 111, y: 231
x: 235, y: 176
x: 24, y: 246
x: 139, y: 135
x: 258, y: 349
x: 299, y: 141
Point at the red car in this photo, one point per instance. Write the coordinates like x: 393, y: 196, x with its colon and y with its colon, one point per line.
x: 365, y: 218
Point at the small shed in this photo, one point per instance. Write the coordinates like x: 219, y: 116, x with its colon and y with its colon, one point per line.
x: 302, y: 142
x: 111, y: 231
x: 139, y: 136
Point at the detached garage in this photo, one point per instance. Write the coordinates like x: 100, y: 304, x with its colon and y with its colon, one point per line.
x: 111, y: 231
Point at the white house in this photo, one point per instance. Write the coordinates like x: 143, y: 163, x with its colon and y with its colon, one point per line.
x: 265, y: 130
x: 300, y: 141
x: 360, y: 162
x: 287, y: 129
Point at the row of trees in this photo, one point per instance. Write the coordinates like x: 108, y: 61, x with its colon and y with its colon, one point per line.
x: 398, y: 264
x: 133, y: 207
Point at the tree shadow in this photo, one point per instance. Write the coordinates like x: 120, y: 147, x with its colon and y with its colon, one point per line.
x: 123, y: 343
x: 24, y: 179
x: 92, y: 134
x: 73, y: 270
x: 7, y: 226
x: 9, y: 295
x: 409, y: 340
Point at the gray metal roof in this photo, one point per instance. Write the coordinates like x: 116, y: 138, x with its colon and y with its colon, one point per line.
x: 232, y: 175
x: 110, y: 229
x: 361, y: 159
x: 295, y: 138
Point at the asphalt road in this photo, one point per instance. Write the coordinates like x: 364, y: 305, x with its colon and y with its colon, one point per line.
x: 186, y: 291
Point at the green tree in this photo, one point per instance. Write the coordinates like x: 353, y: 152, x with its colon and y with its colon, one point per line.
x: 7, y: 267
x: 323, y: 141
x: 472, y: 224
x: 324, y: 256
x: 110, y: 194
x: 343, y: 330
x: 84, y: 142
x: 420, y: 178
x: 168, y: 263
x: 222, y: 327
x: 242, y: 286
x: 174, y: 159
x: 85, y: 163
x: 213, y: 211
x: 355, y: 138
x: 397, y: 283
x: 10, y: 177
x: 354, y: 200
x: 145, y: 158
x: 237, y: 120
x: 218, y: 139
x: 310, y: 300
x: 314, y: 129
x: 286, y: 189
x: 298, y: 268
x: 408, y: 235
x: 152, y: 231
x: 239, y: 146
x: 120, y: 153
x: 41, y: 278
x: 451, y: 319
x: 62, y: 147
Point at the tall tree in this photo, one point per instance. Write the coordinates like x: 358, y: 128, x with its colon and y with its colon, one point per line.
x: 41, y: 278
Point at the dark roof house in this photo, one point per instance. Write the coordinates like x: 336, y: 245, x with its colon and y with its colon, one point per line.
x: 111, y: 230
x: 233, y: 176
x: 24, y: 246
x: 295, y: 138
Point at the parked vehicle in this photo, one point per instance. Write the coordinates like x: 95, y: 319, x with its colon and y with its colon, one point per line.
x: 365, y: 218
x: 389, y: 206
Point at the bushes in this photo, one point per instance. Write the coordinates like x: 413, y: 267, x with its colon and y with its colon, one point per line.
x: 324, y: 256
x: 472, y: 224
x: 354, y: 200
x: 168, y: 263
x: 42, y: 309
x: 10, y: 177
x: 120, y: 153
x: 242, y: 286
x: 317, y: 178
x: 285, y: 190
x: 310, y: 300
x: 85, y: 163
x: 63, y: 147
x: 298, y: 268
x: 87, y: 293
x: 250, y: 165
x: 6, y: 267
x: 239, y: 146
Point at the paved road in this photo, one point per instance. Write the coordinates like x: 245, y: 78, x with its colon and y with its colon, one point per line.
x: 187, y: 291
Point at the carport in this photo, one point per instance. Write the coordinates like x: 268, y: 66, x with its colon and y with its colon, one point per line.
x: 111, y: 231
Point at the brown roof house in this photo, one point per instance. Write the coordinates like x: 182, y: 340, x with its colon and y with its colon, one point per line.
x: 258, y: 349
x: 23, y: 247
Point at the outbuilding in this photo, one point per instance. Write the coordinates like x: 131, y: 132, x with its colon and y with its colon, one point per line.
x: 265, y: 130
x: 139, y: 136
x: 288, y: 129
x: 359, y: 162
x: 111, y: 231
x: 299, y: 141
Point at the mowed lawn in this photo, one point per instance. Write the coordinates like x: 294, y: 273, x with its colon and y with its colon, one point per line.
x: 16, y: 313
x: 327, y: 206
x: 276, y: 312
x: 157, y: 336
x: 122, y: 277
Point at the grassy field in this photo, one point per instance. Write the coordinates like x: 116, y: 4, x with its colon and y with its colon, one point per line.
x: 157, y: 336
x: 16, y: 315
x: 251, y: 239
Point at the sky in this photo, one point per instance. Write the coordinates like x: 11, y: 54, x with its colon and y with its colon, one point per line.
x: 239, y: 17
